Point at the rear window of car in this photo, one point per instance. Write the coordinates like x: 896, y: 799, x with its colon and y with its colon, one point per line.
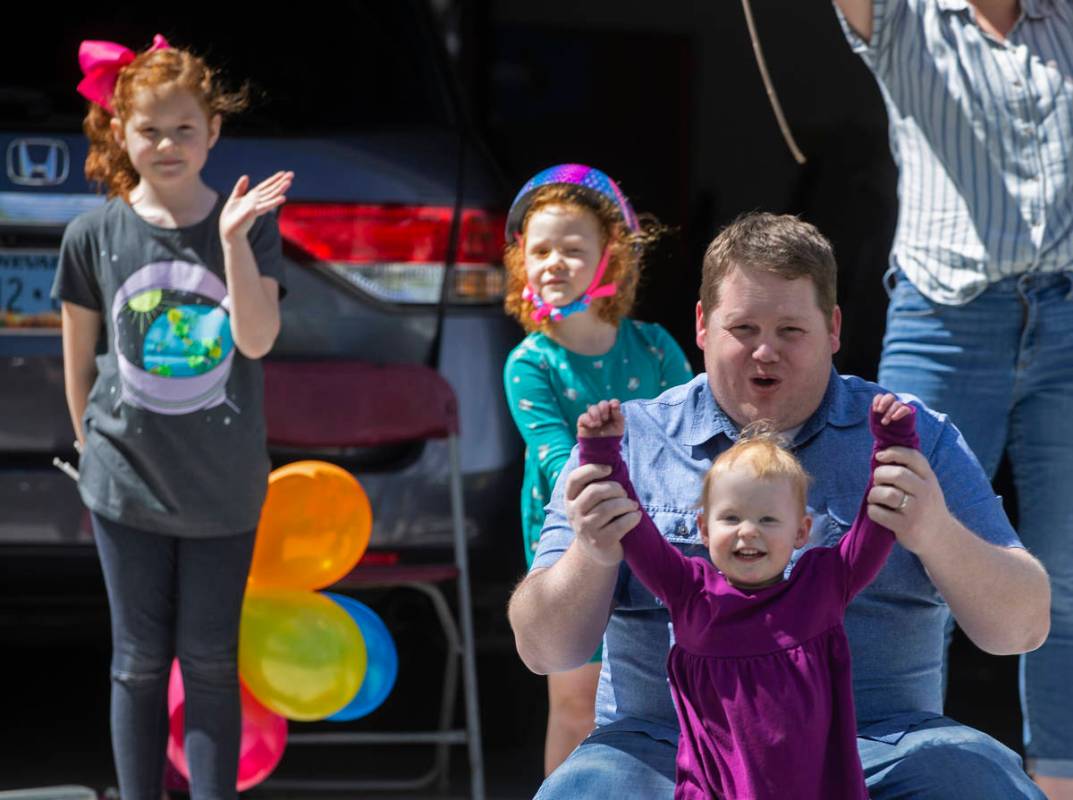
x: 313, y: 67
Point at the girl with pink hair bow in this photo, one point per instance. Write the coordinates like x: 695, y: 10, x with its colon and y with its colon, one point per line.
x: 170, y: 297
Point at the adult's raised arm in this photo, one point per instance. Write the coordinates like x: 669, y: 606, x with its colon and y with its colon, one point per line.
x: 559, y: 613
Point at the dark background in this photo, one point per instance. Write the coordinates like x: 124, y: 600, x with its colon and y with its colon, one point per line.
x: 667, y: 99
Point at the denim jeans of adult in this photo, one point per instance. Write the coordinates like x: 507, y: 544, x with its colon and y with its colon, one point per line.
x: 1001, y: 366
x: 169, y: 597
x: 939, y: 759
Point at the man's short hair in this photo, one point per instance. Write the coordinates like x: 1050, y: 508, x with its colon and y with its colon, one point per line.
x: 778, y: 243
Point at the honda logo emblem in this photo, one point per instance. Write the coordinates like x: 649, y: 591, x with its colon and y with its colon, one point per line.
x: 38, y: 162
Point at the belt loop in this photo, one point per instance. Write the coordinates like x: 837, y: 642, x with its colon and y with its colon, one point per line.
x: 1024, y: 284
x: 890, y: 281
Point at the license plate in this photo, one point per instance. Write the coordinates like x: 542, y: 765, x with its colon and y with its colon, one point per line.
x: 25, y: 283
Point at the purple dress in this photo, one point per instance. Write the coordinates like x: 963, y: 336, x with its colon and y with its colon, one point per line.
x: 761, y: 678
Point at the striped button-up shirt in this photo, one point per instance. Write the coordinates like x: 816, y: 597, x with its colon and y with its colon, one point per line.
x: 982, y: 133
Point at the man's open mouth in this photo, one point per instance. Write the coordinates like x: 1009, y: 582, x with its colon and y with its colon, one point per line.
x: 764, y: 383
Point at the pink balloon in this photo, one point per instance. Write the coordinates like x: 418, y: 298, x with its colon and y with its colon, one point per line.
x: 176, y: 695
x: 264, y: 735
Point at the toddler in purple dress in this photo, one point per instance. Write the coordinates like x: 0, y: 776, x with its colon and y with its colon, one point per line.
x: 760, y: 667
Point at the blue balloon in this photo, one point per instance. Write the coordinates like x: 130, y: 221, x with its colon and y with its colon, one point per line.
x: 383, y: 660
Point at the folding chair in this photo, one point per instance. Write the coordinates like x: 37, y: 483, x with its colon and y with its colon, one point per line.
x: 383, y: 405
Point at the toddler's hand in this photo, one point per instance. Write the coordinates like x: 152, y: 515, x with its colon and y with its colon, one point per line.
x: 890, y: 407
x: 602, y: 419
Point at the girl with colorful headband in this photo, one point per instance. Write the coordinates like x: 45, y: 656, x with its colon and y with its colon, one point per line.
x: 170, y: 296
x: 573, y: 259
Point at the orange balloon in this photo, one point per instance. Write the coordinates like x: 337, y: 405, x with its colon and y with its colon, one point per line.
x: 315, y: 526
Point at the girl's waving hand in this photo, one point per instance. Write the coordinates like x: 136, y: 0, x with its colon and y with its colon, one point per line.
x: 245, y: 205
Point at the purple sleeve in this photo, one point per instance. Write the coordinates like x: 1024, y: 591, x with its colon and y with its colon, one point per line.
x: 658, y: 564
x: 864, y: 549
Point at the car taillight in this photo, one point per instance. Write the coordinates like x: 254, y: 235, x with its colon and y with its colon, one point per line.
x: 397, y: 253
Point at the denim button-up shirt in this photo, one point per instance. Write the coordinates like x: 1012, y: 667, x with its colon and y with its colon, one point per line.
x: 895, y: 626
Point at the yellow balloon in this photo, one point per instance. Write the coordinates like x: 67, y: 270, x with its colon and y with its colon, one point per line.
x: 315, y: 526
x: 300, y: 654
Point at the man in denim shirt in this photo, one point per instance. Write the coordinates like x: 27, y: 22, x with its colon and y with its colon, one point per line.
x: 768, y: 325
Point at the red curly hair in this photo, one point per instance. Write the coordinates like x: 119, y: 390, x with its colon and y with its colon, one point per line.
x: 623, y: 264
x: 107, y: 163
x: 764, y: 450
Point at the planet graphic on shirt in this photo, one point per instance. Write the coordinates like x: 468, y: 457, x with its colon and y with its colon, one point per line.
x: 187, y: 340
x: 173, y: 338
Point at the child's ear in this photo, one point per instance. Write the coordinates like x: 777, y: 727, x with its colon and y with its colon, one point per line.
x: 702, y: 526
x: 215, y: 121
x: 803, y: 531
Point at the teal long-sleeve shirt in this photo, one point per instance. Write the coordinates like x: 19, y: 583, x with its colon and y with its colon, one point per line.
x: 548, y: 387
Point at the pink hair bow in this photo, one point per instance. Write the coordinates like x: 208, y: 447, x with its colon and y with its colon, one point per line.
x: 101, y: 63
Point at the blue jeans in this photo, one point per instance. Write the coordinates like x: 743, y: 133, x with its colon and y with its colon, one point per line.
x: 936, y: 760
x: 173, y: 596
x: 1001, y: 367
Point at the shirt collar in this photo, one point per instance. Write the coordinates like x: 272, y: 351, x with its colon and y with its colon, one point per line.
x: 708, y: 420
x: 1036, y: 9
x: 837, y: 408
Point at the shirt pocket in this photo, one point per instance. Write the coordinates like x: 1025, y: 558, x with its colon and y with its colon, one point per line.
x: 901, y: 576
x: 831, y: 524
x: 680, y: 529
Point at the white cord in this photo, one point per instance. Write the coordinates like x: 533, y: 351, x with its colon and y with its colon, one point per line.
x: 65, y: 467
x: 773, y: 98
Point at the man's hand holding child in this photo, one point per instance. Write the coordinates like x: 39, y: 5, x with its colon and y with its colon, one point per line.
x: 599, y: 511
x: 906, y: 495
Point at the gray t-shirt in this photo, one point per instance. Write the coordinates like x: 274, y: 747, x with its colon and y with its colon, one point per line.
x: 174, y: 426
